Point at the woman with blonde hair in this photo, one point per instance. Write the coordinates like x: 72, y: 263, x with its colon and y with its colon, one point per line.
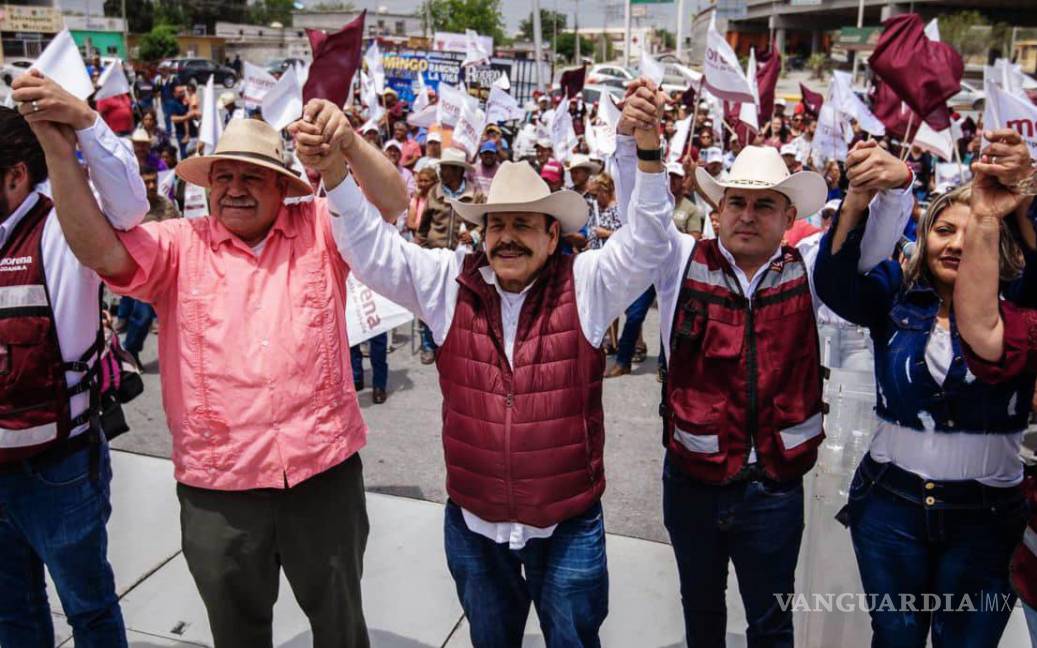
x: 936, y: 506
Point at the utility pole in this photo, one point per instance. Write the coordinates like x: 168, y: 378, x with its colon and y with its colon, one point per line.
x: 680, y: 29
x: 538, y: 45
x: 857, y: 54
x: 626, y: 48
x: 576, y: 29
x: 125, y: 32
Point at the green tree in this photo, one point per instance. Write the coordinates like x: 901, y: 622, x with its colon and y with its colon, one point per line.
x: 549, y: 22
x: 484, y: 16
x: 566, y: 46
x: 159, y: 43
x: 667, y: 38
x: 956, y: 29
x: 140, y: 14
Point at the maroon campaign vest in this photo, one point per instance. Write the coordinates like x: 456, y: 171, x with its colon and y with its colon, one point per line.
x: 524, y: 443
x: 34, y: 396
x: 743, y: 378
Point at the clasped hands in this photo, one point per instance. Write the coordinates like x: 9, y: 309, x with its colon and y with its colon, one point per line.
x: 324, y: 139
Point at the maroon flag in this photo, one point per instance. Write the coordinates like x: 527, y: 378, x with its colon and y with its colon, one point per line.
x: 688, y: 98
x: 923, y: 73
x: 812, y: 101
x: 768, y: 66
x: 572, y: 81
x: 745, y: 133
x: 894, y: 113
x: 336, y: 58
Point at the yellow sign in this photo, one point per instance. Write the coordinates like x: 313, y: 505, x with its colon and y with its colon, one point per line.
x: 19, y: 18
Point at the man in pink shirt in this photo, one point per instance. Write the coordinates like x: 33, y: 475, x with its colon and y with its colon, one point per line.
x: 256, y: 381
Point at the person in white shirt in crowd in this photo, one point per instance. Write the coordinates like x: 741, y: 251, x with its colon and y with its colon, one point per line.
x: 520, y: 329
x: 742, y: 397
x: 433, y: 150
x: 790, y: 154
x: 55, y: 468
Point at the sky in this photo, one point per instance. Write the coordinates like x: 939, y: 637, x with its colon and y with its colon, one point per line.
x: 592, y: 13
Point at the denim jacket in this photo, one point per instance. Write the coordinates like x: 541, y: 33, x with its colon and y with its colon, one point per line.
x: 900, y: 320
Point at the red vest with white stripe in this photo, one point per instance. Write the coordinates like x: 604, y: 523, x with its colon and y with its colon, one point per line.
x: 1024, y: 561
x: 743, y: 378
x: 34, y: 396
x: 522, y: 443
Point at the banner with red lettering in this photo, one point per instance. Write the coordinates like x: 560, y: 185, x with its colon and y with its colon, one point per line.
x: 369, y: 314
x: 1005, y: 110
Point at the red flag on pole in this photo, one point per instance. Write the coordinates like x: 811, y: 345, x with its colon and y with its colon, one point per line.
x: 922, y: 72
x: 336, y: 58
x: 768, y: 66
x: 812, y: 101
x: 572, y: 81
x: 894, y: 113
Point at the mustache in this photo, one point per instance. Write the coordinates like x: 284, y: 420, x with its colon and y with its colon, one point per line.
x: 510, y: 246
x: 245, y: 203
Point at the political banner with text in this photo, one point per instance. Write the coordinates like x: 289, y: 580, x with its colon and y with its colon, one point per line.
x: 369, y: 314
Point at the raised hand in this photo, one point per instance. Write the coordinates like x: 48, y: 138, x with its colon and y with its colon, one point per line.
x: 41, y: 99
x: 871, y: 168
x: 643, y: 108
x: 1002, y: 164
x: 322, y: 136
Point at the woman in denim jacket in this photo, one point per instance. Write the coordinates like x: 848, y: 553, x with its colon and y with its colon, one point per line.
x: 935, y: 507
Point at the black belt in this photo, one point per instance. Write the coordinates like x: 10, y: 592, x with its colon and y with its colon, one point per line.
x: 63, y: 450
x: 934, y: 494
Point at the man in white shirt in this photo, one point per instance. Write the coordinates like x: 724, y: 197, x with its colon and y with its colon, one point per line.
x: 520, y: 328
x: 54, y: 464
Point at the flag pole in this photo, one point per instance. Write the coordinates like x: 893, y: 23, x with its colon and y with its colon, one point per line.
x: 626, y: 47
x: 538, y: 45
x: 907, y: 134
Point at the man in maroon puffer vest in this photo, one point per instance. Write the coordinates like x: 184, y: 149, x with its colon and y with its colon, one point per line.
x: 519, y: 328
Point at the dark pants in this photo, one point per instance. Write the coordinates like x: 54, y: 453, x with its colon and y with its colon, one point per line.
x: 565, y: 576
x: 378, y: 353
x: 168, y: 106
x: 138, y: 316
x: 905, y: 548
x: 758, y: 526
x: 237, y: 542
x: 55, y: 516
x: 636, y: 314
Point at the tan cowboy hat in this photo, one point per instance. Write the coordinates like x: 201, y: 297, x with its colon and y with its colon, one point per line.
x: 456, y: 157
x: 517, y: 188
x: 761, y: 167
x: 581, y: 161
x: 140, y: 135
x: 245, y: 140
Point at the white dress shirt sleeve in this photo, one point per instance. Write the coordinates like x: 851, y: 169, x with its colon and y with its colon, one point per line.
x: 421, y: 280
x: 888, y: 213
x: 115, y: 175
x: 609, y: 279
x: 626, y: 167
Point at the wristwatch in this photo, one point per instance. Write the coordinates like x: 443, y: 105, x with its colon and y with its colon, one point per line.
x: 650, y: 155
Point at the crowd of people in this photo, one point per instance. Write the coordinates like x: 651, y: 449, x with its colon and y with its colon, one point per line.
x: 520, y: 258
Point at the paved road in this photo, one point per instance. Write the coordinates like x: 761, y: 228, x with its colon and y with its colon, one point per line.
x: 404, y: 454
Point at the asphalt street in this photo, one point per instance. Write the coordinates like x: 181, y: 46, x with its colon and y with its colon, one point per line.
x: 404, y: 454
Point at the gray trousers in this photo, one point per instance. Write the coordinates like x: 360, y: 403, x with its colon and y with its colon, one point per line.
x: 237, y: 542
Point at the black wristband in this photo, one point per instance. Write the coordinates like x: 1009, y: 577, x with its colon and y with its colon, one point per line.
x: 650, y: 155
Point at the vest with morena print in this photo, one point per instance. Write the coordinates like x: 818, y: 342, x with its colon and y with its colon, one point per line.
x: 743, y: 374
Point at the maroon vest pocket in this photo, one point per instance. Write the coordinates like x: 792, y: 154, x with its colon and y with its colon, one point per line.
x: 698, y: 434
x: 796, y: 431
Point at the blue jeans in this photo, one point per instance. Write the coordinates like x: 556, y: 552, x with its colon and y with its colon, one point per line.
x: 427, y: 343
x: 168, y: 107
x: 757, y: 526
x: 903, y: 548
x: 379, y: 361
x: 636, y: 314
x: 565, y: 576
x: 138, y: 323
x: 55, y: 516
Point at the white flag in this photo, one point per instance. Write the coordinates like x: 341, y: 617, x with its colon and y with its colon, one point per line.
x: 212, y: 126
x: 369, y: 314
x: 723, y: 74
x: 373, y: 58
x: 469, y: 129
x: 451, y: 102
x: 829, y: 141
x: 932, y: 30
x: 165, y: 182
x: 424, y: 118
x: 503, y: 82
x: 62, y: 63
x: 258, y: 82
x: 939, y: 143
x: 476, y: 49
x: 282, y: 104
x: 608, y: 110
x: 749, y: 112
x: 842, y: 97
x: 590, y: 136
x: 501, y: 106
x: 1005, y: 110
x: 196, y: 204
x: 679, y: 139
x: 652, y: 69
x: 112, y: 82
x: 421, y: 100
x: 563, y: 135
x: 369, y: 95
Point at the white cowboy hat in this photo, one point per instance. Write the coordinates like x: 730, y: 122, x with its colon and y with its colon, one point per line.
x: 761, y: 167
x: 140, y: 135
x: 226, y: 98
x: 455, y: 157
x: 675, y: 168
x: 517, y: 188
x: 245, y: 140
x: 581, y: 161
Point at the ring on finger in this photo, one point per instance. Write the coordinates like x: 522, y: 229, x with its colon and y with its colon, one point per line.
x: 35, y: 106
x: 993, y: 159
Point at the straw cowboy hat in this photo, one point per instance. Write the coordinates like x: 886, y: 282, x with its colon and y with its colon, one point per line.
x: 245, y: 140
x: 455, y: 157
x: 761, y: 167
x: 517, y: 188
x: 581, y: 161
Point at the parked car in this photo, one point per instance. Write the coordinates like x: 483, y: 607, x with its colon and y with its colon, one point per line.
x: 277, y: 66
x: 613, y: 75
x: 592, y: 93
x: 968, y: 98
x: 198, y: 70
x: 14, y: 68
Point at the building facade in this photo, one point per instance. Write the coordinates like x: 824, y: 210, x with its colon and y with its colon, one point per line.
x: 27, y: 27
x: 97, y: 35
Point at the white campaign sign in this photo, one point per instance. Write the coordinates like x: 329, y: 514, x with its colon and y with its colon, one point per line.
x: 469, y: 128
x: 1004, y: 110
x: 258, y: 82
x: 501, y: 106
x: 211, y: 128
x: 282, y: 104
x: 369, y: 314
x: 846, y: 101
x: 477, y: 50
x: 373, y: 58
x: 62, y: 63
x: 749, y: 112
x: 679, y: 139
x: 421, y: 100
x: 723, y: 74
x: 939, y: 143
x: 451, y: 102
x: 113, y: 81
x: 451, y: 42
x: 652, y: 69
x: 563, y: 135
x: 829, y: 141
x: 196, y: 204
